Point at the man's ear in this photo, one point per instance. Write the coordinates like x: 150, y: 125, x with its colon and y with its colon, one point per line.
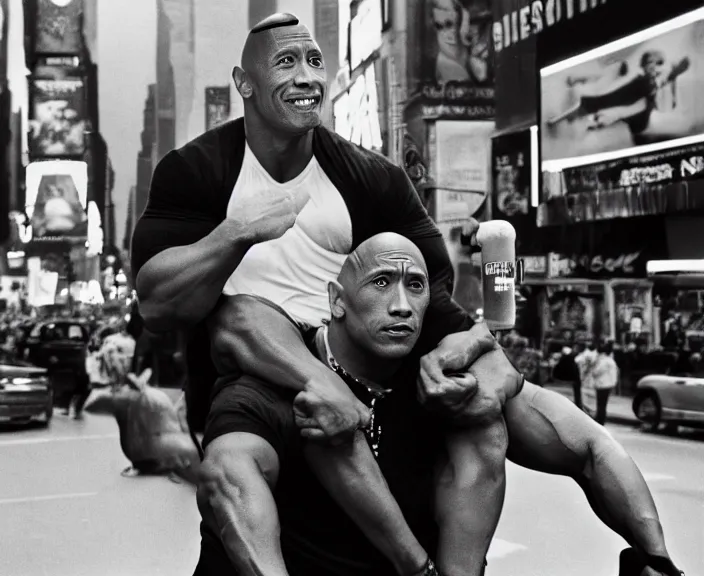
x: 335, y: 297
x: 244, y: 87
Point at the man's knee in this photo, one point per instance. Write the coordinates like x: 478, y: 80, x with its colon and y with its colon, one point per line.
x: 478, y: 451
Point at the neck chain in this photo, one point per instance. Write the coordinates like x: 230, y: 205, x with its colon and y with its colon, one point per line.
x: 365, y: 393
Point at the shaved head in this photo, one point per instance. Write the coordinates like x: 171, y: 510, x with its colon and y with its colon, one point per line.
x: 271, y: 35
x: 380, y: 252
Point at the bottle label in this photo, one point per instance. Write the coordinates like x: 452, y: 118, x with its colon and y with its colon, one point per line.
x: 499, y: 276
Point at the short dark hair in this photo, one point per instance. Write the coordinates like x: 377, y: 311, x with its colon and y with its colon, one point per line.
x: 278, y: 20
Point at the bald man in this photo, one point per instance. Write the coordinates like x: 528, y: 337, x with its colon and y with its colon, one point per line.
x: 271, y: 205
x: 383, y: 491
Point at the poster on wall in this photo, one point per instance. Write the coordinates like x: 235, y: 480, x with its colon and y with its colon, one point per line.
x: 462, y: 151
x: 457, y: 71
x: 56, y: 201
x: 59, y: 27
x: 574, y: 314
x: 356, y: 113
x: 217, y: 105
x: 511, y: 172
x: 637, y: 95
x: 58, y: 117
x: 633, y: 314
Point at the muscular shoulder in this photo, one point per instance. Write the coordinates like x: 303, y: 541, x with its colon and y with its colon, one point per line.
x: 374, y: 169
x: 214, y: 154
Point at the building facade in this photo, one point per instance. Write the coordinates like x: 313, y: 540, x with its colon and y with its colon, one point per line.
x: 597, y: 161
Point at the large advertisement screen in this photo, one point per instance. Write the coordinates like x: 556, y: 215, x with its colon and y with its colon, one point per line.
x: 56, y: 200
x: 456, y: 64
x: 638, y: 95
x: 59, y: 27
x: 58, y: 117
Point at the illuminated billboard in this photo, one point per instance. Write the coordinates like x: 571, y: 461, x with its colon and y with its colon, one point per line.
x: 59, y: 27
x: 56, y: 200
x: 58, y: 117
x: 638, y: 95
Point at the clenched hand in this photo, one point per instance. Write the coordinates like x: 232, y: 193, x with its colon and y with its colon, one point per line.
x: 327, y: 410
x: 467, y: 377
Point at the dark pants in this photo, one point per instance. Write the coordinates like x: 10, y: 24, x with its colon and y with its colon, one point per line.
x: 602, y: 399
x: 80, y: 393
x: 577, y: 390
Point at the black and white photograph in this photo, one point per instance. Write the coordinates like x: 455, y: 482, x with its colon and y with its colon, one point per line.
x: 58, y: 117
x: 285, y: 292
x: 646, y: 93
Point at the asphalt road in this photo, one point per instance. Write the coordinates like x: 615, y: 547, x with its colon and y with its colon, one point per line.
x: 65, y: 510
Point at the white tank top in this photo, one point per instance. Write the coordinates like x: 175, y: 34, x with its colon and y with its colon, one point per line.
x: 293, y: 271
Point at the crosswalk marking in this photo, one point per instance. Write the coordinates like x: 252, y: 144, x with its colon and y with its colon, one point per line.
x: 655, y: 477
x: 501, y: 548
x: 48, y: 440
x: 46, y: 498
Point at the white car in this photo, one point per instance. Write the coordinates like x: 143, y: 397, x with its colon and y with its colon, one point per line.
x: 672, y: 400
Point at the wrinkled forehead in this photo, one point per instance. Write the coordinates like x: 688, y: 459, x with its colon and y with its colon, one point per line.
x: 268, y: 42
x: 367, y: 262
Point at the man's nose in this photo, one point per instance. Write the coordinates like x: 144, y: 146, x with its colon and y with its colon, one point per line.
x: 304, y: 75
x: 399, y: 304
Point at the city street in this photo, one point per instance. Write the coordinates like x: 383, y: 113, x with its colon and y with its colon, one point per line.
x: 65, y: 510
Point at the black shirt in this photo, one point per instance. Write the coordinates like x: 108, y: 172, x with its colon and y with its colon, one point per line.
x: 317, y: 537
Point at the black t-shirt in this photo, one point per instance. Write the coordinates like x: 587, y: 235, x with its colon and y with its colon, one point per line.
x: 317, y: 537
x: 188, y: 199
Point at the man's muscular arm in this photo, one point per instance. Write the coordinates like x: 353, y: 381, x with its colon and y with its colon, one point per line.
x: 235, y: 497
x: 182, y: 250
x: 549, y: 434
x: 249, y: 335
x: 181, y: 285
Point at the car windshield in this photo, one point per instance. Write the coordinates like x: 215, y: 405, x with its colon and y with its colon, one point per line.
x: 64, y: 332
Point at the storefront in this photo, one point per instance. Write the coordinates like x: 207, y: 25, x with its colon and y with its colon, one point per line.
x: 592, y: 173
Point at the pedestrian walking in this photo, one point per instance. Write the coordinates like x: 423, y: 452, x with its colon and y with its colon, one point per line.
x: 604, y: 378
x: 567, y: 371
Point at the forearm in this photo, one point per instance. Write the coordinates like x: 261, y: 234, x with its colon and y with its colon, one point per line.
x: 262, y: 342
x: 243, y: 510
x: 352, y: 477
x: 621, y: 498
x: 469, y: 497
x: 181, y: 285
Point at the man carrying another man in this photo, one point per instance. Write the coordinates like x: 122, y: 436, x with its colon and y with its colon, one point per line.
x: 272, y: 206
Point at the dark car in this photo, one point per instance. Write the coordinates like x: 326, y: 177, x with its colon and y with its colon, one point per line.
x: 25, y: 390
x: 60, y: 347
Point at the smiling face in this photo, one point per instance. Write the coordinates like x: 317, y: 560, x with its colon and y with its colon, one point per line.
x: 383, y: 295
x: 283, y: 79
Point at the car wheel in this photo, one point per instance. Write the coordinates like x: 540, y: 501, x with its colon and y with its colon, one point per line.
x: 646, y: 406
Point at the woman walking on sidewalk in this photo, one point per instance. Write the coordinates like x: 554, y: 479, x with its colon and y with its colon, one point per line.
x: 605, y: 375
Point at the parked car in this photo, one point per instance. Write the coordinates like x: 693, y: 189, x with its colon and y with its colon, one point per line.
x: 671, y: 400
x: 60, y: 347
x: 25, y: 390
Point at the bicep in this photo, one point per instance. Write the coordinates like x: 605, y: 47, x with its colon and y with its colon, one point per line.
x: 238, y: 459
x: 548, y: 433
x: 179, y: 211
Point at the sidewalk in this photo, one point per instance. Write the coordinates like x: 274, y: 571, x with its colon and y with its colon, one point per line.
x: 619, y: 410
